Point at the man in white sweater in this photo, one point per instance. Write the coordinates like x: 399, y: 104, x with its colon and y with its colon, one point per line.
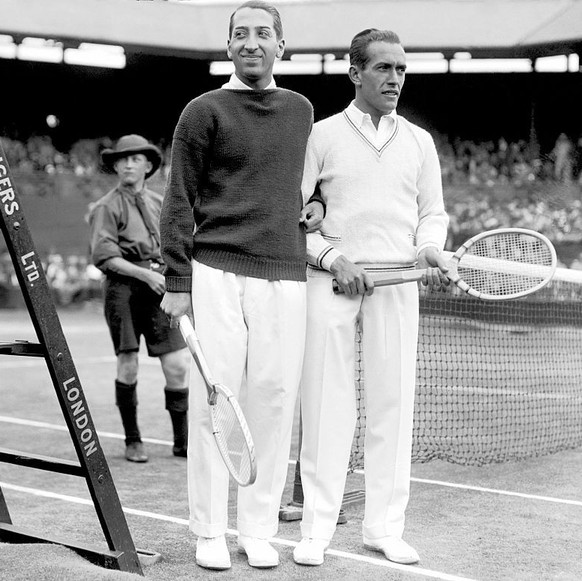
x: 380, y: 177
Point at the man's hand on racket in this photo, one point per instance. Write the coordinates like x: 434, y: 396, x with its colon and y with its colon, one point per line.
x: 436, y: 265
x: 312, y: 216
x: 352, y: 279
x: 175, y: 305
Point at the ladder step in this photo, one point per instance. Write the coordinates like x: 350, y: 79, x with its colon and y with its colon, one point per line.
x: 24, y: 348
x: 41, y: 462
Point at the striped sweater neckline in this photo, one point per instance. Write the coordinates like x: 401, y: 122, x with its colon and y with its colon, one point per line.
x: 378, y: 151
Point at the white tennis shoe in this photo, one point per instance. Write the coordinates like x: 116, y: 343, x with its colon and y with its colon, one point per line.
x: 394, y: 549
x: 259, y: 552
x: 310, y: 551
x: 212, y: 553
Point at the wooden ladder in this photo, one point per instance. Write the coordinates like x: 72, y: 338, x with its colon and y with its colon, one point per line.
x: 91, y: 465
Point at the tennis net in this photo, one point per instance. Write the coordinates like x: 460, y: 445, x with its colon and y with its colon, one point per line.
x: 496, y: 381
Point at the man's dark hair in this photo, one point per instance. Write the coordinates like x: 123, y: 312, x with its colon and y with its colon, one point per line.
x: 260, y: 5
x: 359, y: 48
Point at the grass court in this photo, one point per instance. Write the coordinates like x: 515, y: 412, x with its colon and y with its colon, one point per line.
x: 515, y: 521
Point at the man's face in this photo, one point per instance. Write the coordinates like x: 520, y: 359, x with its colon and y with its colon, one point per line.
x: 132, y: 168
x: 253, y: 46
x: 380, y: 83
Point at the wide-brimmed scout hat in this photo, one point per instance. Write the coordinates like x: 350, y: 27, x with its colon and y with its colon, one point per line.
x: 129, y: 144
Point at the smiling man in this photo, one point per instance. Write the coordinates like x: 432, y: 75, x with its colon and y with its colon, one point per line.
x: 255, y: 41
x: 380, y: 178
x: 233, y: 239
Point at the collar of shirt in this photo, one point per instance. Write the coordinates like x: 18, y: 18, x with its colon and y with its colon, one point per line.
x: 129, y: 191
x: 363, y: 121
x: 236, y: 84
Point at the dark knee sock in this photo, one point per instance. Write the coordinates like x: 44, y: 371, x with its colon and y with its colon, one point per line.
x: 126, y: 400
x: 177, y: 406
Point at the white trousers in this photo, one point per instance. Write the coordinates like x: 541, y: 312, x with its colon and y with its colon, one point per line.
x: 328, y: 404
x: 252, y: 333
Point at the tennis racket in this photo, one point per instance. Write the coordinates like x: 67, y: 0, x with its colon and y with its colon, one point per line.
x: 229, y: 426
x: 495, y: 265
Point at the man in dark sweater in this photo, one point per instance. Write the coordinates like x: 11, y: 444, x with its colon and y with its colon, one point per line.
x: 235, y: 179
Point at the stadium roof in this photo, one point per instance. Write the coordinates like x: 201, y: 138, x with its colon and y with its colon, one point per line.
x: 485, y: 28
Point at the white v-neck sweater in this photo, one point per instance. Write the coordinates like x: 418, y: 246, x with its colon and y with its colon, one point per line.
x: 384, y: 205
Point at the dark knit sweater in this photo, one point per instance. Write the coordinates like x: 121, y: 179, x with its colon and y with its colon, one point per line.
x: 237, y: 164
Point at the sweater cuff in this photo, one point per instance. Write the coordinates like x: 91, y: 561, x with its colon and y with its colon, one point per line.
x: 178, y: 284
x: 327, y: 260
x: 425, y: 246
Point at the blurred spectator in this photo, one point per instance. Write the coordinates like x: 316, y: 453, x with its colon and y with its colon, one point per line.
x: 84, y: 156
x: 7, y: 275
x: 577, y: 160
x: 67, y: 279
x: 562, y: 155
x: 577, y: 262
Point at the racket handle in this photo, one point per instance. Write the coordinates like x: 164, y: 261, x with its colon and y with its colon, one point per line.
x: 193, y: 343
x: 400, y: 277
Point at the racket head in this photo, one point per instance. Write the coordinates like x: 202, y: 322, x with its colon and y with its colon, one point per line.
x: 504, y: 264
x: 233, y: 437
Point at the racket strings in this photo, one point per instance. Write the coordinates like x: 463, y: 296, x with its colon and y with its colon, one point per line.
x: 232, y: 440
x: 506, y: 264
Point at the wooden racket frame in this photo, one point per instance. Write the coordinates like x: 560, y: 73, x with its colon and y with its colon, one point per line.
x: 415, y: 275
x: 215, y: 390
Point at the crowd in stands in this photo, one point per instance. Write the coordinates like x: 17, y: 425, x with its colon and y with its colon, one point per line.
x: 38, y: 154
x: 71, y: 279
x: 463, y: 162
x: 560, y: 224
x: 532, y: 187
x: 520, y: 163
